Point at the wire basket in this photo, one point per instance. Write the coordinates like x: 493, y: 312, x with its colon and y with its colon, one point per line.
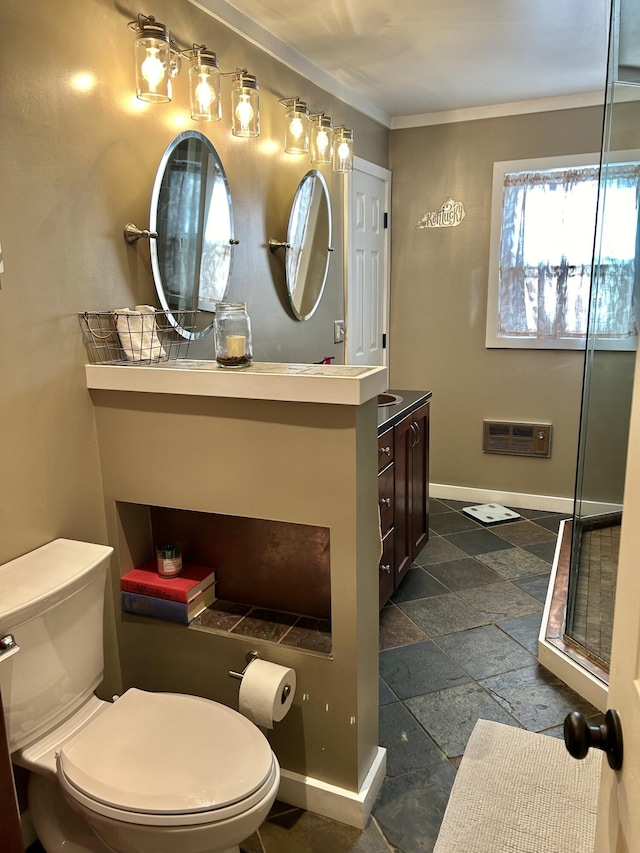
x: 136, y: 336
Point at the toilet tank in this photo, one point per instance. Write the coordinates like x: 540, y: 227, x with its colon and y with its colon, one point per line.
x: 51, y: 600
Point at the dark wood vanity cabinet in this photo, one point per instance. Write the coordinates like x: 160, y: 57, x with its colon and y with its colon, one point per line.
x: 411, y: 454
x: 403, y: 493
x: 386, y: 504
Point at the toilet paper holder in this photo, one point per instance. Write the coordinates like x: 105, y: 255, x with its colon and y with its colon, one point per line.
x: 251, y: 656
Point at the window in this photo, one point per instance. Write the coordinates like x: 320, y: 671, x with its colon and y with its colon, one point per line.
x: 542, y: 246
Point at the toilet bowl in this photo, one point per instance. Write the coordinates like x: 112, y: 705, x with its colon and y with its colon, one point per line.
x: 147, y: 773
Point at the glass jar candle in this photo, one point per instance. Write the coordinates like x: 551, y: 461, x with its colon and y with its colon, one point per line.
x: 233, y: 335
x: 169, y: 561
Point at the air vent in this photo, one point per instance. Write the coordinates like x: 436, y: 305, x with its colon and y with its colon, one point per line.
x: 516, y: 439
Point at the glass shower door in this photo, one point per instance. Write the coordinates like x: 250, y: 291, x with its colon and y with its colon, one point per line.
x: 608, y: 375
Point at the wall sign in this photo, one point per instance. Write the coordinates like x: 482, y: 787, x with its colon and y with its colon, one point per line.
x: 451, y: 213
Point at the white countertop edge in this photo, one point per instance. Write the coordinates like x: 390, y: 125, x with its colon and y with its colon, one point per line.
x: 326, y: 385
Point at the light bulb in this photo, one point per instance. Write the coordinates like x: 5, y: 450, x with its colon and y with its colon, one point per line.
x: 322, y: 141
x: 152, y: 68
x: 204, y: 94
x: 343, y: 150
x: 295, y: 128
x: 244, y: 112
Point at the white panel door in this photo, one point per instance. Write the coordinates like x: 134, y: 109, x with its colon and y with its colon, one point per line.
x: 618, y: 826
x: 367, y: 264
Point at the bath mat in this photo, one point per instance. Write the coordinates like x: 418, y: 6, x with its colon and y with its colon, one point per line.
x: 490, y: 513
x: 520, y: 792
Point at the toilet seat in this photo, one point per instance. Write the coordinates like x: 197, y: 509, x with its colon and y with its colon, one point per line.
x: 167, y: 759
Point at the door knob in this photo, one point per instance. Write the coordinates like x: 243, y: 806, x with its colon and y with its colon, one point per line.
x: 579, y: 736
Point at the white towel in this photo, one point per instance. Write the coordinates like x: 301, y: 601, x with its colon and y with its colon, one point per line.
x: 138, y: 334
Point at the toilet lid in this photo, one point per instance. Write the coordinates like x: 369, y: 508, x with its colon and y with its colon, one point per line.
x: 159, y: 753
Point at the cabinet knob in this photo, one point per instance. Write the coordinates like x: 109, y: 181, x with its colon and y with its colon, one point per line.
x: 384, y: 451
x: 385, y: 501
x: 386, y: 569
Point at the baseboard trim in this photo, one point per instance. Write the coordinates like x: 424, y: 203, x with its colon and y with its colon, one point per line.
x: 350, y: 807
x: 548, y: 503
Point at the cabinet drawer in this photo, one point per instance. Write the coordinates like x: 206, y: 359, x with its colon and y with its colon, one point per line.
x: 385, y: 449
x: 386, y: 498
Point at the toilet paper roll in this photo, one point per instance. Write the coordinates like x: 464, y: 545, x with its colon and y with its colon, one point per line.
x: 266, y: 692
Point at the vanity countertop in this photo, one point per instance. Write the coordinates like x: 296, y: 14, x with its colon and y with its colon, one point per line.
x: 340, y: 384
x: 389, y: 416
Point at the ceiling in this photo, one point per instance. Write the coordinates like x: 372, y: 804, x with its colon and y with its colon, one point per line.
x: 412, y: 58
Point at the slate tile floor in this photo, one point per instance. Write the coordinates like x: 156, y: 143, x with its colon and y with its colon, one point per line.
x: 457, y: 642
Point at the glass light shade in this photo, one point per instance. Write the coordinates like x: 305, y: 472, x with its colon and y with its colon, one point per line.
x: 245, y: 105
x: 321, y: 144
x: 153, y: 58
x: 296, y: 134
x: 342, y: 149
x: 204, y: 86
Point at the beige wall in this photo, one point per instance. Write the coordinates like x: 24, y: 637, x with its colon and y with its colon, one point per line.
x: 438, y: 302
x: 331, y: 731
x: 74, y: 168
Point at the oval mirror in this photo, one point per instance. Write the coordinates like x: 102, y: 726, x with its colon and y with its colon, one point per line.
x: 309, y: 244
x: 192, y: 214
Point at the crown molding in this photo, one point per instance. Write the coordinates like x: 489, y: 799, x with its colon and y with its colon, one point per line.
x: 539, y: 105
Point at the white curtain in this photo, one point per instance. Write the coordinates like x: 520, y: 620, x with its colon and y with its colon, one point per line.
x: 548, y: 229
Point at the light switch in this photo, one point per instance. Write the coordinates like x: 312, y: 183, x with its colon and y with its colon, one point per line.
x: 338, y: 331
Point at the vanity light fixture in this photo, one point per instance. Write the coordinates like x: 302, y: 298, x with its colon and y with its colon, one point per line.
x: 204, y: 84
x: 321, y: 143
x: 245, y: 104
x: 159, y: 59
x: 342, y: 149
x: 153, y: 60
x: 296, y: 132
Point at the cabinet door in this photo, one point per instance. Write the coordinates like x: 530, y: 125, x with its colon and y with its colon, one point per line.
x: 403, y: 439
x: 386, y: 568
x: 385, y: 498
x: 419, y: 522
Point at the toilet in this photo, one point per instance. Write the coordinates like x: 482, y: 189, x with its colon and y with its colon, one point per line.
x: 146, y: 773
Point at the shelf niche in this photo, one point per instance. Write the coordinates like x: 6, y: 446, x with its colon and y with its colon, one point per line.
x: 274, y: 565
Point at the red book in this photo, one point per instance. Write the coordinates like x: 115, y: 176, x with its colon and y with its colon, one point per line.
x: 184, y: 587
